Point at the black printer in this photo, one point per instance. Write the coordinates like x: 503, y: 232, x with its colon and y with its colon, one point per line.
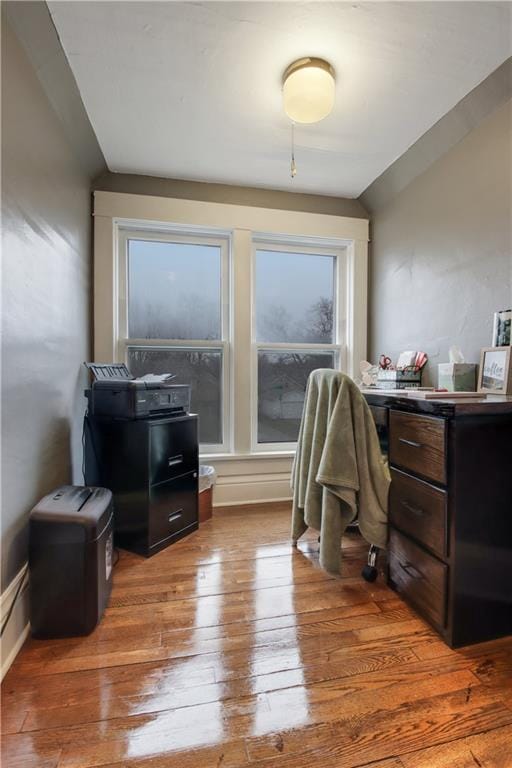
x: 116, y: 394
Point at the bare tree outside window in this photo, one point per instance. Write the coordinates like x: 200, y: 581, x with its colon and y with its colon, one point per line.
x: 294, y: 297
x: 321, y: 319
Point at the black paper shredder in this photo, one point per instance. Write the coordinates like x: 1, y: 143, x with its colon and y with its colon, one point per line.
x: 70, y: 560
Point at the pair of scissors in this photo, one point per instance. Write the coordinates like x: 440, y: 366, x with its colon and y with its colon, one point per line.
x: 384, y: 362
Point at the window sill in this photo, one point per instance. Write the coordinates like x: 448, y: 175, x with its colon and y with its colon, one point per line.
x: 213, y: 457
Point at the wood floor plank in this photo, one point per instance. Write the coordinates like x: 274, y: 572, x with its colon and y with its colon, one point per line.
x: 323, y: 683
x: 378, y: 735
x: 492, y: 749
x: 265, y: 658
x: 40, y: 759
x: 143, y: 637
x: 231, y: 649
x: 344, y: 743
x: 393, y: 762
x: 341, y: 619
x: 226, y: 754
x: 495, y: 669
x: 43, y: 697
x: 125, y: 692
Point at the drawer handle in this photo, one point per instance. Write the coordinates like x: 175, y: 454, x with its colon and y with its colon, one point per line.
x: 412, y: 443
x: 175, y: 515
x: 410, y: 570
x: 415, y: 510
x: 173, y: 460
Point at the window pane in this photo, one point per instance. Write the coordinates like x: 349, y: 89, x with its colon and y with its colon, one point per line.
x: 282, y: 378
x: 294, y: 297
x: 200, y: 368
x: 174, y: 290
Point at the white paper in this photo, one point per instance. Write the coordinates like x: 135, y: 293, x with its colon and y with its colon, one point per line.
x: 154, y: 378
x: 406, y: 359
x: 456, y: 355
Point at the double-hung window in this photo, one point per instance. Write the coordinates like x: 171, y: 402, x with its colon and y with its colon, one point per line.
x: 174, y: 318
x: 298, y: 326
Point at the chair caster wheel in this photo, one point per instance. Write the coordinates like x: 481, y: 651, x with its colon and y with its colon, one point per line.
x: 369, y: 573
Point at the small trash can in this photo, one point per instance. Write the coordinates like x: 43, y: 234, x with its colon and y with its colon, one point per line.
x: 207, y: 477
x: 70, y: 560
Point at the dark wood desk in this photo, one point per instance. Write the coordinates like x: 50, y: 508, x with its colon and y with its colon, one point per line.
x: 450, y: 510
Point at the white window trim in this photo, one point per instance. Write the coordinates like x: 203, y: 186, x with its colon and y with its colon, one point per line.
x: 172, y: 234
x: 114, y: 210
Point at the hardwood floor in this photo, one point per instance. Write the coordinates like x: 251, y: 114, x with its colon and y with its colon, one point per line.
x: 232, y: 649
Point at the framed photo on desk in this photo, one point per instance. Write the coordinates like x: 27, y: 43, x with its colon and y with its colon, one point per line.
x: 495, y: 372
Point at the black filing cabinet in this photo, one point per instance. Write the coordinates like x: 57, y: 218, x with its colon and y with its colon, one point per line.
x: 151, y: 466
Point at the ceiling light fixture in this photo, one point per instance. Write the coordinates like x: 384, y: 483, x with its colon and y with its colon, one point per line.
x: 308, y: 90
x: 308, y: 94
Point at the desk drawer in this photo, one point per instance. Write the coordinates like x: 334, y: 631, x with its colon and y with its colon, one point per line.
x: 418, y: 443
x: 419, y: 577
x: 419, y: 509
x: 173, y: 508
x: 173, y: 449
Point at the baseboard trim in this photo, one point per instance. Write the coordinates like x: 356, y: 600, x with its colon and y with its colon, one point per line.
x: 16, y: 648
x: 251, y: 502
x: 251, y: 489
x: 18, y: 628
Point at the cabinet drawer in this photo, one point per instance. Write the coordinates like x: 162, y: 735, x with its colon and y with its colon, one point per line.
x: 173, y: 449
x: 418, y: 443
x: 172, y: 508
x: 419, y: 509
x: 420, y: 577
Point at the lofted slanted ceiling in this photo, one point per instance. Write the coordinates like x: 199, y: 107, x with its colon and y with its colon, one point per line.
x: 193, y: 90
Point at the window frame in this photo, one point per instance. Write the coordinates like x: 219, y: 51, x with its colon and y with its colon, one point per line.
x: 243, y: 475
x: 190, y: 236
x: 314, y: 247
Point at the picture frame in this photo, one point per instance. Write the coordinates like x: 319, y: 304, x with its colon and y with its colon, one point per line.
x: 495, y: 371
x: 502, y: 328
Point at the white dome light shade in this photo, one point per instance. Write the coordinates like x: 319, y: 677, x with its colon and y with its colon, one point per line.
x: 308, y: 90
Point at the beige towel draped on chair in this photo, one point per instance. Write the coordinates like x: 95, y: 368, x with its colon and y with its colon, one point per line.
x: 339, y: 471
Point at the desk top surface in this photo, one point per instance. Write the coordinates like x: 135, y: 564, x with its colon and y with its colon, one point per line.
x: 446, y: 407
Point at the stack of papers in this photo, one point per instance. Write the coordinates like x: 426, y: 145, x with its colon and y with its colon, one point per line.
x: 446, y: 395
x: 160, y: 378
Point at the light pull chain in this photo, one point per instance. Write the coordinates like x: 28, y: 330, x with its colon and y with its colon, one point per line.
x: 293, y: 166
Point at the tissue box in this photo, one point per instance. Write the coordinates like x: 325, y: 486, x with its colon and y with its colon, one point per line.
x: 457, y: 377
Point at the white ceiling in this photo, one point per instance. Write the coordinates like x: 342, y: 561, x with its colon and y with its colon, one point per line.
x: 193, y: 90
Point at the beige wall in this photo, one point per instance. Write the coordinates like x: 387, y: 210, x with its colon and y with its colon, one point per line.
x: 441, y: 250
x: 223, y: 193
x: 46, y: 243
